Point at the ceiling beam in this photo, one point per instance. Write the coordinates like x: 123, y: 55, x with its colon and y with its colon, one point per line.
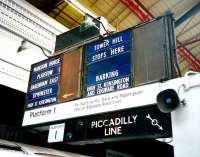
x: 137, y: 10
x: 195, y: 9
x: 59, y: 10
x: 189, y: 57
x: 188, y: 29
x: 190, y: 42
x: 144, y: 15
x: 144, y: 8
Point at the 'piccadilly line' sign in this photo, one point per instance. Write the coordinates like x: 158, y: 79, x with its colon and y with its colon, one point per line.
x: 44, y: 83
x: 109, y: 64
x: 139, y: 122
x: 142, y: 122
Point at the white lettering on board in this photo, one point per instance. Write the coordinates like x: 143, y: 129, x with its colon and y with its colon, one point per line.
x: 45, y: 74
x: 113, y: 126
x: 107, y: 75
x: 117, y: 50
x: 103, y: 44
x: 40, y: 67
x: 42, y: 93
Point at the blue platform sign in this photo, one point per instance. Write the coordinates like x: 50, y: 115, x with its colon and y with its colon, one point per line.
x: 44, y: 83
x: 109, y: 64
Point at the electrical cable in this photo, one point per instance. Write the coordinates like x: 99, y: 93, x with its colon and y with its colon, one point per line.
x: 23, y: 44
x: 24, y: 40
x: 187, y: 84
x: 45, y: 53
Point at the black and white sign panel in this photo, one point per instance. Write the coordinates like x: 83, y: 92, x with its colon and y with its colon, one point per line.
x: 139, y: 122
x: 134, y: 123
x: 122, y: 99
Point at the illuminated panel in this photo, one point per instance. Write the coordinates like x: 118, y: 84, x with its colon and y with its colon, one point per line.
x: 109, y: 64
x: 44, y: 83
x: 71, y: 75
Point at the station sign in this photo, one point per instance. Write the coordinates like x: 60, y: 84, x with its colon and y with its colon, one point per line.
x: 55, y: 80
x: 104, y: 66
x: 109, y: 64
x: 56, y: 133
x: 139, y: 122
x: 136, y: 123
x: 109, y: 102
x: 44, y: 83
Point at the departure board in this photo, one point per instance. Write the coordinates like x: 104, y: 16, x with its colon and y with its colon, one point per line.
x: 109, y: 64
x: 44, y: 83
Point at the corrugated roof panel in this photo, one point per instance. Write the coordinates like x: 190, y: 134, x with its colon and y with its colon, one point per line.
x: 181, y: 27
x: 112, y: 16
x: 158, y: 9
x: 197, y: 44
x: 86, y: 3
x: 196, y: 50
x: 116, y: 14
x: 198, y: 53
x: 129, y: 22
x: 184, y: 26
x: 73, y: 13
x: 183, y: 6
x: 103, y: 6
x: 61, y: 6
x: 59, y: 16
x: 71, y: 22
x: 97, y: 11
x: 170, y: 4
x: 123, y: 26
x: 186, y: 69
x: 124, y: 16
x: 183, y: 64
x: 133, y: 20
x: 111, y: 3
x: 190, y: 46
x: 192, y: 23
x: 120, y: 18
x: 126, y: 23
x: 118, y: 8
x: 150, y: 3
x: 190, y: 33
x: 64, y: 21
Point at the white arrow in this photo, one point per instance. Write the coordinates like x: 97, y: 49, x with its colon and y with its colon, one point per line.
x: 154, y: 122
x: 160, y: 127
x: 148, y: 117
